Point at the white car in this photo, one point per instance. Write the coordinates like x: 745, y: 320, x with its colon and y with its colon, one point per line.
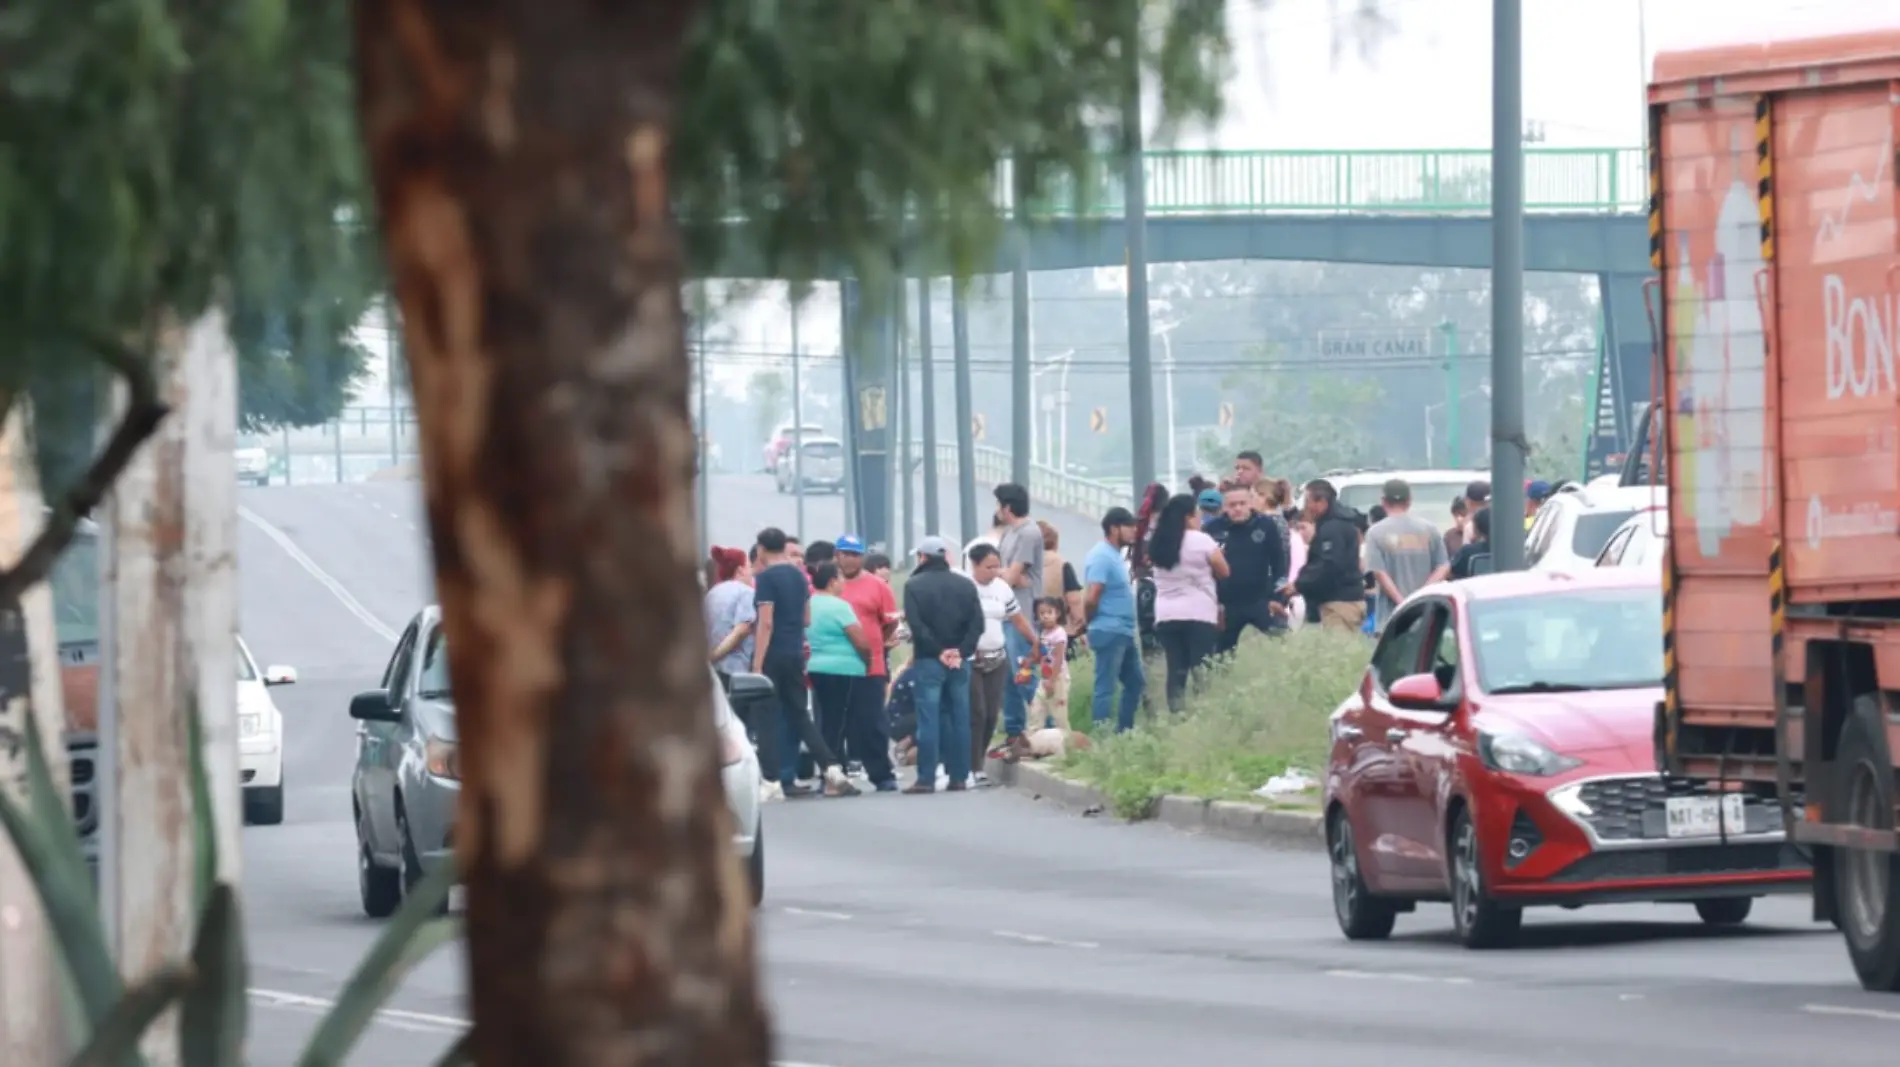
x: 261, y: 738
x: 739, y: 770
x: 1639, y: 542
x: 1432, y: 490
x: 253, y: 466
x: 1576, y: 522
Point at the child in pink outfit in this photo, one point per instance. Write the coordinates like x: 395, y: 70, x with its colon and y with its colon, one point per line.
x: 1051, y: 706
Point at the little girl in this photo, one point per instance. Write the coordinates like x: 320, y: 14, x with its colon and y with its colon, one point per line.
x: 1051, y: 706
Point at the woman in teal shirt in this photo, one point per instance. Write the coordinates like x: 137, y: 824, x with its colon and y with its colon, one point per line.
x: 840, y: 656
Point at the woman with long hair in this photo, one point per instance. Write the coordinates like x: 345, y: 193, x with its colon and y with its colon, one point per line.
x: 1187, y: 564
x: 840, y: 658
x: 730, y: 613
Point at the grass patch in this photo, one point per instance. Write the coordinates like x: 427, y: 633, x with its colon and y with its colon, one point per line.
x: 1262, y: 711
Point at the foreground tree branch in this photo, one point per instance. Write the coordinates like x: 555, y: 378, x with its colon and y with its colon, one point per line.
x: 518, y: 150
x: 144, y: 411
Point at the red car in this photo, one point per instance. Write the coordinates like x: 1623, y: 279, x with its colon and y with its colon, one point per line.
x: 1499, y: 755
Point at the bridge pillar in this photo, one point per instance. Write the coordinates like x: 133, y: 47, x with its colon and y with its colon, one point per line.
x: 869, y: 341
x: 1625, y: 368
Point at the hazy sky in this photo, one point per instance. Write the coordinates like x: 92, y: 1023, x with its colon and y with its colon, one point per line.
x: 1426, y: 84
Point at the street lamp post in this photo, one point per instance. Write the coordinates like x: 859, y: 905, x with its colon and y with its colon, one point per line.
x: 798, y: 422
x: 1507, y: 283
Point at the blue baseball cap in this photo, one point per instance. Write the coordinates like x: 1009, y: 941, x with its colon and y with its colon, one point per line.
x: 848, y: 543
x: 1210, y: 500
x: 1536, y: 489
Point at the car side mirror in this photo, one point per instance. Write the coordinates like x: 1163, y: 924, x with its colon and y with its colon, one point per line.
x: 373, y: 706
x: 750, y: 689
x: 1417, y: 692
x: 278, y: 674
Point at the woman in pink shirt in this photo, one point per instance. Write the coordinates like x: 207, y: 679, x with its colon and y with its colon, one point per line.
x: 1187, y: 563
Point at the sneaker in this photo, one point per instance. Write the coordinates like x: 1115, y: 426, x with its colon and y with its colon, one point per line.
x: 796, y: 790
x: 979, y: 780
x: 959, y: 787
x: 942, y: 782
x: 1016, y: 749
x: 918, y: 789
x: 837, y: 785
x: 771, y: 791
x: 854, y: 769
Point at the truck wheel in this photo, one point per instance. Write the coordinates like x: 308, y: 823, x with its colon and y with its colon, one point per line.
x: 1867, y: 884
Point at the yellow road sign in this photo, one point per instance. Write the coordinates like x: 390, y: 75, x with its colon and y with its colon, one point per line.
x: 1227, y: 414
x: 976, y: 427
x: 1098, y: 420
x: 873, y: 413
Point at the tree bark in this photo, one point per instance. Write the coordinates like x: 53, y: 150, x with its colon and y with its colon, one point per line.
x: 31, y: 1010
x: 518, y: 149
x: 172, y: 582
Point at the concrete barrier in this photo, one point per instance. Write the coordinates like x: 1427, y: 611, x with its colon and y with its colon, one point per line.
x: 1238, y: 820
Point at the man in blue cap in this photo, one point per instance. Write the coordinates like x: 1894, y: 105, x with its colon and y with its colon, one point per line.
x: 876, y: 608
x: 1536, y: 491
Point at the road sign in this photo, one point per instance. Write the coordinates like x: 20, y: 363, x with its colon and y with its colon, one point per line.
x: 1227, y: 414
x: 1098, y: 420
x: 1396, y: 343
x: 976, y: 427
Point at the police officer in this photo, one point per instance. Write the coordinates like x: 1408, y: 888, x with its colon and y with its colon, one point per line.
x: 1256, y: 549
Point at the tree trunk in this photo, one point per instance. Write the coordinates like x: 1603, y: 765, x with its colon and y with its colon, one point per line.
x: 172, y: 585
x: 519, y: 150
x: 31, y: 1010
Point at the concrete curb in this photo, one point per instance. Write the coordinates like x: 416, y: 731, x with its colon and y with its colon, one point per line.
x: 1233, y: 819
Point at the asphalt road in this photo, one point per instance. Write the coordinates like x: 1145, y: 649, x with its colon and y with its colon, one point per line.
x: 985, y: 928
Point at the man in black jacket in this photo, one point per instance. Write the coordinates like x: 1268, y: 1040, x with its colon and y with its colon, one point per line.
x: 1333, y: 578
x: 946, y: 619
x: 1256, y: 551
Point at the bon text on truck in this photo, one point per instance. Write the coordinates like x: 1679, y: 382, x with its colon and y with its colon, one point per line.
x: 1774, y: 222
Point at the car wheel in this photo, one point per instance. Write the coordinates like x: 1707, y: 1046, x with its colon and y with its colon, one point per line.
x: 412, y: 872
x: 264, y: 807
x: 380, y: 887
x: 1479, y: 921
x: 1867, y: 884
x: 1362, y: 916
x: 755, y: 865
x: 1724, y: 911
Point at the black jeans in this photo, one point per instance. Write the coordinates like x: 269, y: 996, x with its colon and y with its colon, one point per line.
x: 831, y: 703
x: 787, y: 673
x: 865, y: 733
x: 1186, y: 644
x: 1252, y: 613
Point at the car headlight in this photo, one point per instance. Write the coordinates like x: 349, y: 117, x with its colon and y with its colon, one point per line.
x: 1517, y: 754
x: 442, y: 759
x: 250, y: 725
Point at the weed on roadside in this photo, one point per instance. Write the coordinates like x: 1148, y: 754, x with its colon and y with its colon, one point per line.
x: 1260, y: 712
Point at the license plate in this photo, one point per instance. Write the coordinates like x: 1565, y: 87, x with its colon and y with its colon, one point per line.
x: 1705, y: 816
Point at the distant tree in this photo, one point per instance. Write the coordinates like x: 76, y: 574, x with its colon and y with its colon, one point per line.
x: 769, y: 392
x: 1304, y: 422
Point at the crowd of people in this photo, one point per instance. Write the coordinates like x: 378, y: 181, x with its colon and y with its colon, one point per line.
x: 990, y: 637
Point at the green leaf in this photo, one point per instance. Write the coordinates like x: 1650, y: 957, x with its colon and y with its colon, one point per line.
x: 212, y: 1020
x: 412, y: 934
x: 49, y: 850
x: 115, y: 1042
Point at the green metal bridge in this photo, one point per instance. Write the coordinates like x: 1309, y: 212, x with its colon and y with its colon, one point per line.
x: 1317, y: 182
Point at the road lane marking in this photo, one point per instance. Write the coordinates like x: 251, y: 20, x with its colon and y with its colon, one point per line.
x: 811, y: 913
x: 1038, y: 939
x: 1858, y: 1013
x: 1398, y: 976
x: 297, y: 556
x: 418, y: 1021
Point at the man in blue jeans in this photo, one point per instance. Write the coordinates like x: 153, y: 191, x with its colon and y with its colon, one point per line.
x: 1021, y: 548
x: 946, y: 619
x: 1109, y: 602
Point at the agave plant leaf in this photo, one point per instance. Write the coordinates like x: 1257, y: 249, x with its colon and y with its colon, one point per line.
x: 48, y: 848
x: 412, y: 934
x: 212, y: 1019
x: 115, y: 1042
x: 204, y: 826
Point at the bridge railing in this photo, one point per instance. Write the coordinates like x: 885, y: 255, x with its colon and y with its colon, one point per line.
x: 1048, y: 487
x: 1422, y: 181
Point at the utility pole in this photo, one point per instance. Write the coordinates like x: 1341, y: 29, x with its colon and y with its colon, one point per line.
x: 392, y: 358
x: 31, y: 1034
x: 798, y: 422
x: 1452, y: 392
x: 1022, y: 427
x: 905, y: 533
x: 1507, y: 284
x: 173, y: 579
x: 966, y: 410
x: 705, y: 440
x: 928, y: 401
x: 1141, y: 384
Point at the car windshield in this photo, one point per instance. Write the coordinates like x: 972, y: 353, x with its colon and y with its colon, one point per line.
x: 1571, y: 640
x: 1430, y: 500
x: 1594, y: 530
x: 823, y: 450
x: 433, y: 682
x: 246, y: 670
